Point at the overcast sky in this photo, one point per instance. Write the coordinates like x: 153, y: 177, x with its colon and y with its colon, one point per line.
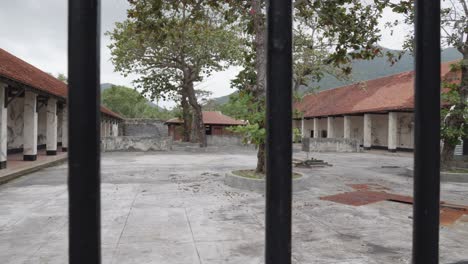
x: 36, y: 31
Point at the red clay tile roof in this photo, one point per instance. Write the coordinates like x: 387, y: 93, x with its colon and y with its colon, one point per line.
x: 212, y: 118
x: 391, y: 93
x: 15, y: 69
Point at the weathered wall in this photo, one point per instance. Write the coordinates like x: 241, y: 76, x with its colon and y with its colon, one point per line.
x: 224, y: 140
x: 128, y: 143
x: 334, y: 145
x: 338, y: 123
x: 144, y: 127
x: 323, y: 124
x: 15, y: 123
x: 308, y: 127
x: 42, y: 125
x: 405, y: 130
x: 380, y: 130
x: 357, y: 128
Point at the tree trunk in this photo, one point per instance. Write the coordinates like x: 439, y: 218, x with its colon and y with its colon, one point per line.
x: 261, y: 161
x: 187, y: 118
x: 260, y: 67
x: 198, y: 127
x: 446, y: 157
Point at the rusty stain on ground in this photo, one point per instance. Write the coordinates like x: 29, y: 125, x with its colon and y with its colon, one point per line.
x: 371, y: 193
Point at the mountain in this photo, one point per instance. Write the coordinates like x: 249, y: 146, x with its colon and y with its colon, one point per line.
x: 365, y: 70
x: 105, y: 86
x: 379, y: 67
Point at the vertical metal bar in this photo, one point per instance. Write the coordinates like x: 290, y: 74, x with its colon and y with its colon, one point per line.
x: 279, y: 133
x: 427, y: 133
x: 84, y: 131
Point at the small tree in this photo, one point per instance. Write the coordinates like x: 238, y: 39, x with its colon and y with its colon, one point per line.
x: 338, y: 31
x: 172, y: 45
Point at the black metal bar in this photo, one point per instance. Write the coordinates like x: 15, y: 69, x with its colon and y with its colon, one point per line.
x: 427, y: 133
x: 84, y: 131
x: 279, y: 133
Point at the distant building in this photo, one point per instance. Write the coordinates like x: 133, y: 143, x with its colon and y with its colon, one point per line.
x: 33, y: 111
x: 215, y: 124
x: 379, y: 113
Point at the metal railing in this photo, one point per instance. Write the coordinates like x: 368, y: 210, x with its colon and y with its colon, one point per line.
x: 84, y: 131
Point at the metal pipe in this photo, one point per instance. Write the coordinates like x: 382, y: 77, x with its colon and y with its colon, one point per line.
x: 427, y: 133
x: 279, y: 133
x: 84, y: 131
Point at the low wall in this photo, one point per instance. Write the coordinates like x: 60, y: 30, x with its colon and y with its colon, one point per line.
x: 144, y: 128
x: 334, y: 145
x: 127, y: 143
x: 215, y: 140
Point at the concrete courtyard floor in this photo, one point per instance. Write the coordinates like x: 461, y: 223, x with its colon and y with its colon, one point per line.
x: 172, y: 207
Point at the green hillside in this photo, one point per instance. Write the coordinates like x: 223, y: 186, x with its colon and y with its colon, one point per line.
x: 362, y: 71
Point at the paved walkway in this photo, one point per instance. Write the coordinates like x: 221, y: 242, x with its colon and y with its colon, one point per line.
x: 173, y: 207
x: 17, y: 167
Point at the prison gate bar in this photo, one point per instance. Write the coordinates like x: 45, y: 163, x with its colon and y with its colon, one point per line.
x: 427, y: 133
x: 279, y: 133
x: 84, y: 131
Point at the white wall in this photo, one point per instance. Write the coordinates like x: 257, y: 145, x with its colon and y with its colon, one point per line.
x: 357, y: 128
x: 323, y: 124
x: 308, y: 126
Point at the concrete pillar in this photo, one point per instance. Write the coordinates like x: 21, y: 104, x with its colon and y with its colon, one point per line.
x: 51, y: 127
x: 30, y: 126
x: 367, y: 131
x: 3, y: 127
x: 392, y: 131
x: 347, y: 126
x: 330, y: 127
x: 65, y: 129
x: 316, y: 128
x: 303, y: 134
x: 115, y: 129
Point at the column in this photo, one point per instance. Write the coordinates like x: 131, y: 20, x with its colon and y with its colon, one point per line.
x: 115, y: 129
x: 367, y: 131
x: 108, y: 129
x: 51, y: 127
x: 102, y: 128
x: 330, y: 127
x: 65, y: 128
x: 347, y: 126
x: 30, y: 126
x: 303, y: 134
x: 392, y: 131
x: 3, y: 127
x: 316, y: 128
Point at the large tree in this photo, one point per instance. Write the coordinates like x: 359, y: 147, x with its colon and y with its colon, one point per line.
x: 337, y: 31
x: 454, y: 30
x: 172, y: 45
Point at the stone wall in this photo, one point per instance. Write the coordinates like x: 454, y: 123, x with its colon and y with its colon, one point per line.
x: 334, y: 145
x: 405, y: 130
x: 144, y: 128
x: 226, y: 140
x: 128, y: 143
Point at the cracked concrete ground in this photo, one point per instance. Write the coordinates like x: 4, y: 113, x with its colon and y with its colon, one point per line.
x: 172, y: 207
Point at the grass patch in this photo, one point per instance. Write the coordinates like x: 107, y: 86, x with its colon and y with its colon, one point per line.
x: 251, y: 174
x: 458, y: 170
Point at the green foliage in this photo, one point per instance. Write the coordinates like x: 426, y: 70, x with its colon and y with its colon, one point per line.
x: 454, y: 116
x: 166, y: 41
x: 241, y: 106
x: 131, y: 104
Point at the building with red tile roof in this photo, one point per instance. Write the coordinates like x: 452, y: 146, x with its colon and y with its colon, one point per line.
x: 215, y: 124
x: 378, y: 113
x: 33, y: 111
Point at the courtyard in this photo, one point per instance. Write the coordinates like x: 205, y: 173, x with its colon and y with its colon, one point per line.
x: 173, y: 207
